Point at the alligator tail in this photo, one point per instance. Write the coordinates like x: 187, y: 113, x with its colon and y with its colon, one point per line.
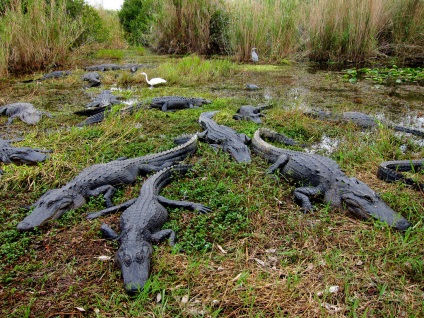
x: 389, y: 171
x: 415, y: 132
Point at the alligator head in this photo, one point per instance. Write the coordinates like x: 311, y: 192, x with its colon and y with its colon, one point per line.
x: 134, y: 261
x: 30, y: 117
x: 26, y: 156
x: 51, y: 205
x: 363, y: 202
x: 239, y: 151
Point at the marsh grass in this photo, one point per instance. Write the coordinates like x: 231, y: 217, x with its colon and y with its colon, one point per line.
x: 189, y: 71
x: 255, y: 254
x: 270, y: 26
x: 38, y: 38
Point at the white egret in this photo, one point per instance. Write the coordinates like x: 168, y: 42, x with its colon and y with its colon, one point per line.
x: 255, y: 57
x: 153, y: 81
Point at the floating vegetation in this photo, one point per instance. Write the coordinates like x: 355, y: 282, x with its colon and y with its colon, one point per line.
x: 386, y: 75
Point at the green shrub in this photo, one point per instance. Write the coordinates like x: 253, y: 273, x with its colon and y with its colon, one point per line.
x: 135, y: 17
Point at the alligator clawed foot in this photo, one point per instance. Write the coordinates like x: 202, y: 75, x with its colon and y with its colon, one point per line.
x: 272, y: 176
x: 201, y: 209
x: 306, y: 210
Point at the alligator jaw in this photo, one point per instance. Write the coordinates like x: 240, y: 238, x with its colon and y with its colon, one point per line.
x: 239, y: 153
x: 135, y: 265
x: 367, y: 204
x: 51, y: 206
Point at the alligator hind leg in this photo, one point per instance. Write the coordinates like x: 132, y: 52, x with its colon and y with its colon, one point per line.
x: 108, y: 232
x: 278, y: 164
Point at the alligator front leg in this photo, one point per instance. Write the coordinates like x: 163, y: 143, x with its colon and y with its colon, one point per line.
x: 113, y: 209
x: 183, y: 204
x: 303, y: 196
x: 161, y: 235
x: 108, y: 232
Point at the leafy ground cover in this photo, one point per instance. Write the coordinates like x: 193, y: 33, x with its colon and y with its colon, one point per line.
x: 256, y: 254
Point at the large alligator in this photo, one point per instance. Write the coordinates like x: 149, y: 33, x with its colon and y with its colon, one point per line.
x: 249, y: 112
x: 101, y: 179
x: 100, y: 104
x: 322, y: 177
x: 141, y: 225
x: 362, y: 120
x: 97, y: 116
x: 115, y: 67
x: 20, y: 155
x: 25, y: 111
x: 226, y: 138
x: 391, y: 171
x: 93, y: 79
x: 54, y: 74
x: 169, y: 103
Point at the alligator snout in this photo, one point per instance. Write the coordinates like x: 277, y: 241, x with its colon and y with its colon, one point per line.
x: 402, y: 225
x: 24, y: 226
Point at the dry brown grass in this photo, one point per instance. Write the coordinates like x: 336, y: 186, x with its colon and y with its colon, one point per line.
x: 184, y: 26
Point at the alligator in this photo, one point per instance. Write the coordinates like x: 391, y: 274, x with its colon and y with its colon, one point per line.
x: 97, y: 115
x: 115, y: 67
x: 249, y: 112
x: 141, y: 224
x: 322, y: 177
x: 170, y: 103
x: 391, y: 171
x: 105, y: 98
x: 362, y: 120
x: 55, y: 74
x: 20, y: 155
x: 252, y: 87
x: 93, y: 119
x: 99, y: 104
x: 101, y: 179
x: 220, y: 136
x: 93, y: 79
x: 25, y: 111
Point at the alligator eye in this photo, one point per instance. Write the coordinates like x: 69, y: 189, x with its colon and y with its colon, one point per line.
x: 368, y: 198
x: 127, y: 260
x: 139, y: 258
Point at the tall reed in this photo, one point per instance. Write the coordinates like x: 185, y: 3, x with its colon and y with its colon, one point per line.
x: 344, y: 29
x: 406, y: 32
x: 271, y: 26
x: 36, y: 36
x: 183, y: 26
x: 115, y: 32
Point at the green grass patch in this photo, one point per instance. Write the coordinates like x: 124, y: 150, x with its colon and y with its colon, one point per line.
x: 109, y: 54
